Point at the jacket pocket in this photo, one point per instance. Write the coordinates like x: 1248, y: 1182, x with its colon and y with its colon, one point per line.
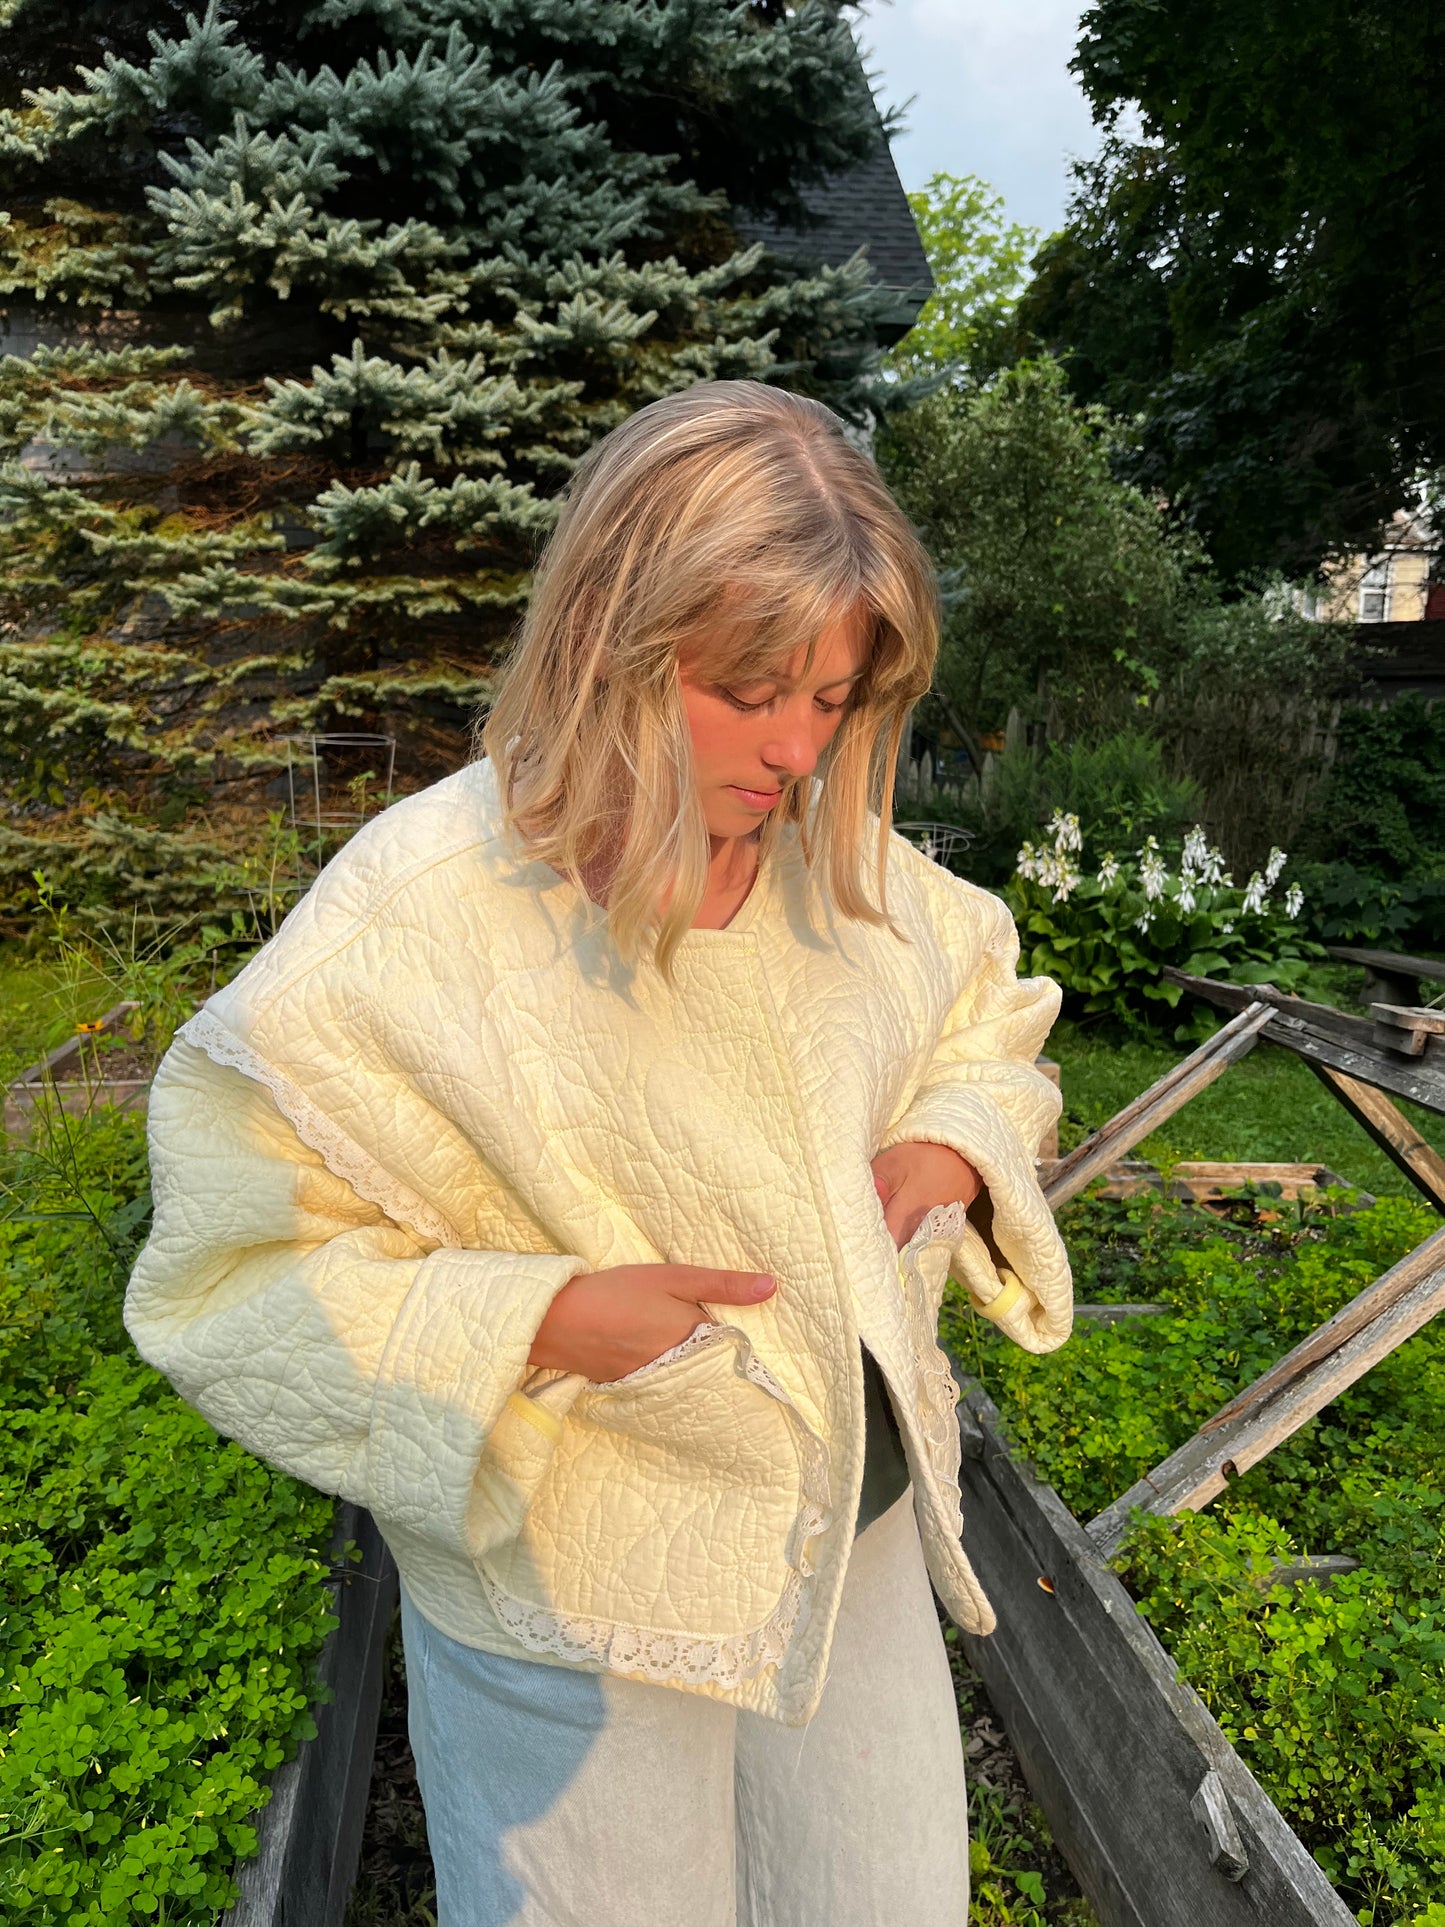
x: 515, y: 1458
x: 673, y: 1512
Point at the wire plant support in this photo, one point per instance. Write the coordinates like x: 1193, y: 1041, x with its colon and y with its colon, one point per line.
x: 319, y: 777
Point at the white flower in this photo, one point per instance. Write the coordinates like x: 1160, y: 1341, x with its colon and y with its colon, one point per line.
x: 1066, y: 832
x: 1227, y: 928
x: 1276, y: 862
x: 1056, y: 873
x: 1214, y: 870
x: 1196, y: 850
x: 1186, y: 894
x: 1051, y: 868
x: 1108, y: 869
x: 1153, y: 873
x: 1255, y: 896
x: 1294, y: 899
x: 1143, y: 923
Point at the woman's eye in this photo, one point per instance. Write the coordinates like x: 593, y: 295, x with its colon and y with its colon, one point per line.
x: 827, y: 709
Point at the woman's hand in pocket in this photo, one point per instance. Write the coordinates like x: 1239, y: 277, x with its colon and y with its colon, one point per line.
x: 605, y: 1324
x: 911, y: 1178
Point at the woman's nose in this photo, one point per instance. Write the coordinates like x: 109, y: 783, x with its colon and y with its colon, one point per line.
x: 791, y: 749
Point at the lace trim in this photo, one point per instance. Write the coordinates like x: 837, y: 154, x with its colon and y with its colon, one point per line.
x: 342, y: 1155
x: 707, y: 1333
x: 668, y: 1658
x: 937, y: 1388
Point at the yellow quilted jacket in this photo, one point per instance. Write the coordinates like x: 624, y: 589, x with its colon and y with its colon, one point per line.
x: 437, y: 1094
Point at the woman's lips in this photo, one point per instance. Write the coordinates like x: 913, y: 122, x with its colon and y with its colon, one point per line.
x: 759, y: 799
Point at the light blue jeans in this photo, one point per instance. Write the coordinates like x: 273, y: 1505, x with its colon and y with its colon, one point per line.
x: 559, y: 1798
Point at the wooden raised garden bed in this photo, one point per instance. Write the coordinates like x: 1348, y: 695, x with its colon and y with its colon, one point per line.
x: 310, y: 1830
x: 80, y: 1077
x: 1162, y: 1823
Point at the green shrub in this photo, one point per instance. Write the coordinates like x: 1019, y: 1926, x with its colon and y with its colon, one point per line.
x: 1384, y: 805
x: 1351, y: 905
x: 1120, y: 786
x: 1335, y: 1698
x: 1107, y: 937
x: 160, y: 1609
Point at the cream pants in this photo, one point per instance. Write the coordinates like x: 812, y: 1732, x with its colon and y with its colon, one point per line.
x: 558, y: 1798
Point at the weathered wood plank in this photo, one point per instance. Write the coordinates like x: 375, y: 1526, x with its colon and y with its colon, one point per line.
x: 1173, y: 1091
x: 1397, y: 962
x: 310, y: 1831
x: 1389, y: 1128
x: 1368, y: 1329
x: 1325, y: 1036
x: 1115, y: 1748
x: 1352, y: 1317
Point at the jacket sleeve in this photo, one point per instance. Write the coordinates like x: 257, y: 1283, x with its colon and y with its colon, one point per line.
x: 981, y: 1095
x: 305, y: 1323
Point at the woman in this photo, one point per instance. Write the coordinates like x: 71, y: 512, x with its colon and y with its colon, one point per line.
x: 540, y: 1186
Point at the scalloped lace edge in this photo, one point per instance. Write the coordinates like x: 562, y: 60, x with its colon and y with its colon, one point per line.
x: 676, y: 1658
x: 937, y: 1388
x: 340, y: 1153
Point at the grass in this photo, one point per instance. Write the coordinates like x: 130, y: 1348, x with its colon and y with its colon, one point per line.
x: 1268, y: 1108
x: 35, y: 1005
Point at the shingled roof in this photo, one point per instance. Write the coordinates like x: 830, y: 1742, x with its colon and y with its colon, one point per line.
x: 866, y: 207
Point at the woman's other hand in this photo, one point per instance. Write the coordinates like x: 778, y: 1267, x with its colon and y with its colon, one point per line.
x: 911, y: 1178
x: 605, y: 1324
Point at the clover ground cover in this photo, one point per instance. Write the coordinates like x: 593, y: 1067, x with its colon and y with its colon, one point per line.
x: 1334, y: 1696
x: 161, y: 1595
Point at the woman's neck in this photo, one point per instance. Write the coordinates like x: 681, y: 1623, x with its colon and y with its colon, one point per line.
x: 732, y: 870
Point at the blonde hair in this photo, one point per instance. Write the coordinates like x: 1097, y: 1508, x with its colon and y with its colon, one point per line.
x: 737, y: 520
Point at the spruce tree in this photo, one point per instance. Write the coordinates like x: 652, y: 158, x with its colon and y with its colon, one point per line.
x: 314, y: 309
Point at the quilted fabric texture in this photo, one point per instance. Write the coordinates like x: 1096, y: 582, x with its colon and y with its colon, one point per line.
x: 437, y: 1094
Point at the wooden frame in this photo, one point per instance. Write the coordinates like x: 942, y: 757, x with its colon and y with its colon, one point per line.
x: 1158, y: 1817
x: 310, y: 1831
x: 1161, y: 1822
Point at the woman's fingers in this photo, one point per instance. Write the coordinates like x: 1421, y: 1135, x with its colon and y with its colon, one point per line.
x: 701, y: 1283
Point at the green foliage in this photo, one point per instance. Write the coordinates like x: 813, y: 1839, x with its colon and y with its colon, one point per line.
x: 1384, y: 805
x: 1255, y: 284
x: 342, y: 295
x: 1335, y: 1698
x: 1059, y: 579
x: 1373, y: 845
x: 1106, y: 938
x: 160, y: 1604
x: 979, y: 261
x: 1351, y: 905
x: 1119, y: 785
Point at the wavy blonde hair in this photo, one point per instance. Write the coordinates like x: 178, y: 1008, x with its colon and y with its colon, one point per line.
x: 731, y: 522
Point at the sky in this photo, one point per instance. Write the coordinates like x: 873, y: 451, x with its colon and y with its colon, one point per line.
x: 994, y: 95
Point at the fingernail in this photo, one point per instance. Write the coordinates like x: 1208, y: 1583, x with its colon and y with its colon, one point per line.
x: 762, y: 1284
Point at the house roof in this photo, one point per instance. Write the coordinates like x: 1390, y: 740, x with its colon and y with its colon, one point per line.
x: 865, y: 207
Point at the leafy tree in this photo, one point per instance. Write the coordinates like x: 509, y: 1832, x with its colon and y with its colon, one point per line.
x: 330, y: 299
x: 1260, y: 275
x: 980, y: 268
x: 1064, y: 586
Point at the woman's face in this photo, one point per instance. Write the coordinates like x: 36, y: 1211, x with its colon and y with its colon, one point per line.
x: 748, y: 740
